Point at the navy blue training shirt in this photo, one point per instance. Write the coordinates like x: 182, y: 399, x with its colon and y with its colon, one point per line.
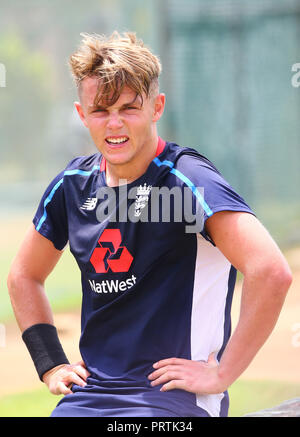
x: 150, y: 289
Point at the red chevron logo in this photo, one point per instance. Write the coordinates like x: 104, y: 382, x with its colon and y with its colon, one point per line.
x: 110, y: 254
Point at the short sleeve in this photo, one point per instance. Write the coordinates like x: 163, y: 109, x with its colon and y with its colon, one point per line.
x: 50, y: 219
x: 214, y: 193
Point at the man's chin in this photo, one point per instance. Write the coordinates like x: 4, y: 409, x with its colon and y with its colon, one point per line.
x: 118, y: 160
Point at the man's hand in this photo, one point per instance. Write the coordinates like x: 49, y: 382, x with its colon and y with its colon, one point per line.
x: 60, y: 379
x: 199, y: 377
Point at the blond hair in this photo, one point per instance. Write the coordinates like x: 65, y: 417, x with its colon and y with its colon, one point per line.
x: 117, y: 61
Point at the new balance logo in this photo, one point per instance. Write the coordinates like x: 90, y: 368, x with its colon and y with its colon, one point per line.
x: 110, y: 254
x: 89, y: 204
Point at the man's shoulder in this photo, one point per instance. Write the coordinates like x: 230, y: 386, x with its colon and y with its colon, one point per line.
x: 191, y: 164
x: 83, y: 163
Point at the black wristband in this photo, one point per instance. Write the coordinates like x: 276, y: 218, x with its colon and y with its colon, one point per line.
x: 44, y: 347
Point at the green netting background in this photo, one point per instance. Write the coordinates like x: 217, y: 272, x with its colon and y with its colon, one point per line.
x: 227, y: 78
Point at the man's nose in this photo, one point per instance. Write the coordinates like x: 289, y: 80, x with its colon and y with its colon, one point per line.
x: 114, y: 121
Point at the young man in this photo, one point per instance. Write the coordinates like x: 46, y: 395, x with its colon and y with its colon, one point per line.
x: 156, y: 299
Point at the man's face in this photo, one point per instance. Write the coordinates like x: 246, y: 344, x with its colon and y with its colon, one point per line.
x: 121, y: 132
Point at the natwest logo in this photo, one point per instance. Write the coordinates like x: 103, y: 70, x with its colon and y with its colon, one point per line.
x: 110, y: 254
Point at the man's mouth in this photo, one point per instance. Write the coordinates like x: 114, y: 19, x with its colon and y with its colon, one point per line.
x: 114, y: 141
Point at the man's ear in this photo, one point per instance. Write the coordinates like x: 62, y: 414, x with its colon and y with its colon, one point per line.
x: 80, y: 112
x: 159, y: 106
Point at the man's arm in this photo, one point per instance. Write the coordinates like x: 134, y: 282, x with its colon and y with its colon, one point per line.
x: 267, y: 277
x: 33, y: 263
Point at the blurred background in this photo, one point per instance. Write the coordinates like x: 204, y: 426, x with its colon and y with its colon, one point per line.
x: 228, y: 80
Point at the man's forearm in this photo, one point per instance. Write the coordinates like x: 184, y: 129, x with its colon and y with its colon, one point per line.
x: 261, y: 302
x: 34, y: 316
x: 29, y: 302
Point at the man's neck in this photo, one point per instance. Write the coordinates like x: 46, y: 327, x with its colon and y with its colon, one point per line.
x: 121, y: 174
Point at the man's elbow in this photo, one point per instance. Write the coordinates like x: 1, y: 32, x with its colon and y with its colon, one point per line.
x: 15, y: 278
x: 285, y: 278
x: 278, y: 277
x: 12, y: 281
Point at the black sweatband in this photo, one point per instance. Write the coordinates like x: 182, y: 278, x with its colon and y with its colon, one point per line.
x: 44, y: 347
